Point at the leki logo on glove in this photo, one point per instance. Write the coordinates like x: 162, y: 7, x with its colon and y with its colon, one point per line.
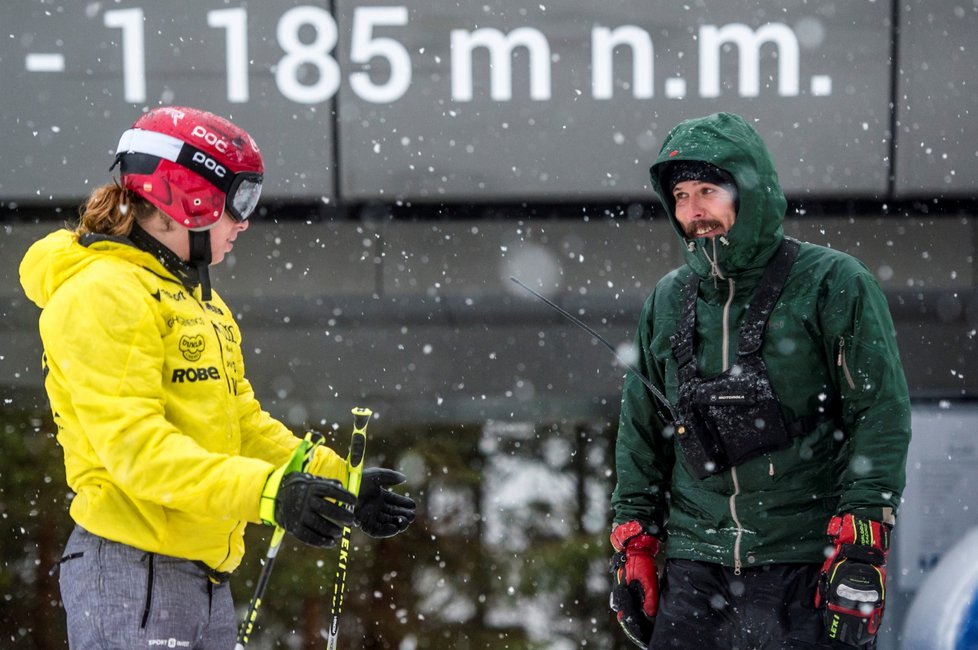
x: 192, y: 347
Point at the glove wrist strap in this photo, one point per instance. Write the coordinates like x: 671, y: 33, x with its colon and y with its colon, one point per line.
x: 855, y: 532
x: 266, y: 506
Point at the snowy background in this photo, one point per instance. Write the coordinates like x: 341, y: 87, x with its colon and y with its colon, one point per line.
x: 420, y: 156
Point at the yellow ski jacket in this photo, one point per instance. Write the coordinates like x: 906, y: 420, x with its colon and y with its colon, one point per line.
x: 165, y: 445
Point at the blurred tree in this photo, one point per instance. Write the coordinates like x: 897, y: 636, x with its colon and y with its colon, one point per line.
x: 33, y: 506
x: 509, y: 549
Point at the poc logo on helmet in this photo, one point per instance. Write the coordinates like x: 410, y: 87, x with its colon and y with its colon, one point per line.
x: 213, y: 140
x: 210, y: 164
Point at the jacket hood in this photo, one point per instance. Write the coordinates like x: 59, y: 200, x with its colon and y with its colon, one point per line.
x: 58, y: 257
x: 730, y: 143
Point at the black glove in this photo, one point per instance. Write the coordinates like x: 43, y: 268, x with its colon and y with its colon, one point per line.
x: 381, y: 513
x: 300, y: 506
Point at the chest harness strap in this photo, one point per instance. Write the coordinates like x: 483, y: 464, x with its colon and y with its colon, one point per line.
x: 736, y: 416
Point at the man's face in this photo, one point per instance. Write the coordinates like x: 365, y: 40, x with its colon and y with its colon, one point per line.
x: 704, y: 209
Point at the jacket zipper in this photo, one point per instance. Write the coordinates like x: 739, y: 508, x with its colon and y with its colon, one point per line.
x: 736, y: 519
x: 220, y: 345
x: 731, y: 289
x: 220, y: 348
x: 841, y: 363
x: 148, y: 603
x: 733, y: 470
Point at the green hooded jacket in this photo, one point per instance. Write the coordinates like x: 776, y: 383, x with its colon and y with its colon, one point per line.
x: 829, y: 347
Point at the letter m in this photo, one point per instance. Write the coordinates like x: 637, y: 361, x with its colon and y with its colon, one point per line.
x: 748, y: 44
x: 500, y: 48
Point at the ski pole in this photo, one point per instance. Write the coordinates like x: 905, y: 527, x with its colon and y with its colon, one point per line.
x: 354, y: 465
x: 297, y: 463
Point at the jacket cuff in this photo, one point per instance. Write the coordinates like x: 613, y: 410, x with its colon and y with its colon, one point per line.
x: 328, y: 464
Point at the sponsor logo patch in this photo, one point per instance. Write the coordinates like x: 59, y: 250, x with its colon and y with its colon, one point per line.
x: 168, y: 643
x: 191, y: 347
x: 193, y: 375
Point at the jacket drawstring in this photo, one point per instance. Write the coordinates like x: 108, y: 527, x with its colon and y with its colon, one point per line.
x: 715, y: 271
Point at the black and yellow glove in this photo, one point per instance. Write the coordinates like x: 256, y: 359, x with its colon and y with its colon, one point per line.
x: 313, y: 509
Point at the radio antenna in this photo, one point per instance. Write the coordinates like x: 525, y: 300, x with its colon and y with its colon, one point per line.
x: 563, y: 312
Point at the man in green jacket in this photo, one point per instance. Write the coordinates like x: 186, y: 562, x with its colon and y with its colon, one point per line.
x: 767, y: 464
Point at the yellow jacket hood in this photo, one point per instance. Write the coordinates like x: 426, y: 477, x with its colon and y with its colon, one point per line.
x: 53, y: 260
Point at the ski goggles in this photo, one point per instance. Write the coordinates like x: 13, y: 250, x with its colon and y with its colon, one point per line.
x: 241, y: 190
x: 242, y: 195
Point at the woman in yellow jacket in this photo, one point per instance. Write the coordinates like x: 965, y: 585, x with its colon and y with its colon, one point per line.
x: 166, y: 447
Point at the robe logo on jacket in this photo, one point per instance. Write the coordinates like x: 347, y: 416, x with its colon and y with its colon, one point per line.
x: 181, y: 375
x: 192, y: 347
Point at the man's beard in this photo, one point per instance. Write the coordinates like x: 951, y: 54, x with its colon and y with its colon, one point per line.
x: 704, y: 226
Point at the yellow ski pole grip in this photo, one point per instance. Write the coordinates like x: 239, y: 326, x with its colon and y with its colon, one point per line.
x: 358, y: 448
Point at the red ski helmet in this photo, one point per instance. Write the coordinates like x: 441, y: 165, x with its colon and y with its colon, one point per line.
x: 192, y: 165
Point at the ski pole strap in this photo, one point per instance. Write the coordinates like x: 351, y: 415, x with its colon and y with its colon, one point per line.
x: 298, y: 462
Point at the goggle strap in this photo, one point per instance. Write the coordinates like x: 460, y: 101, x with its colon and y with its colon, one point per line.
x: 179, y: 152
x: 151, y: 142
x: 167, y: 147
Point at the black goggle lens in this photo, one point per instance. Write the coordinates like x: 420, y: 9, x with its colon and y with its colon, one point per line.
x: 243, y: 197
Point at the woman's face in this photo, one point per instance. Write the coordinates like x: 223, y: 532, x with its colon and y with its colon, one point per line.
x: 223, y: 235
x: 175, y: 237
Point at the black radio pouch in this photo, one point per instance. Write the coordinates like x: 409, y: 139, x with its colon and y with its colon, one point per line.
x: 735, y: 416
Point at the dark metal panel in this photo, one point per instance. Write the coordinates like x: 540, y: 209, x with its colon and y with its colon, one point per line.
x: 517, y: 101
x: 437, y: 102
x: 937, y: 99
x: 76, y: 74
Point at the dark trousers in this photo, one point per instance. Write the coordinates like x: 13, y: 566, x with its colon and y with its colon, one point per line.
x: 704, y: 605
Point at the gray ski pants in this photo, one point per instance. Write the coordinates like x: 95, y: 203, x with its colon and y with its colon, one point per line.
x: 121, y: 598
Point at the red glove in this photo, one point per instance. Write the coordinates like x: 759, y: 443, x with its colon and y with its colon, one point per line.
x: 635, y: 581
x: 853, y: 579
